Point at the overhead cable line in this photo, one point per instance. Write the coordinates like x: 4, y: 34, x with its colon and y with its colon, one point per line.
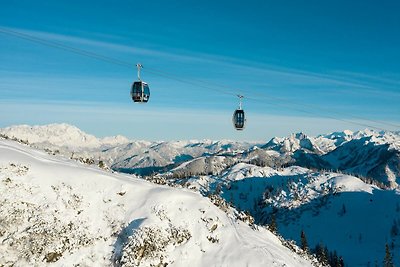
x: 328, y: 110
x: 322, y: 115
x: 195, y: 82
x: 107, y: 59
x: 57, y: 45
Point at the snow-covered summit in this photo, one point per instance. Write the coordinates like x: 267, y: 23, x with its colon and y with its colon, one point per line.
x: 60, y: 135
x: 326, y: 143
x: 300, y: 141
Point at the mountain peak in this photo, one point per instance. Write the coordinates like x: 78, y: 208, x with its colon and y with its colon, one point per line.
x: 299, y: 135
x: 60, y: 135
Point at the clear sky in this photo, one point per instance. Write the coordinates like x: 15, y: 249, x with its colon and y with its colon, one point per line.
x: 308, y: 66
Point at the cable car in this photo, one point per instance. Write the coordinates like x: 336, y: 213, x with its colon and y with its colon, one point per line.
x: 238, y: 118
x: 140, y: 91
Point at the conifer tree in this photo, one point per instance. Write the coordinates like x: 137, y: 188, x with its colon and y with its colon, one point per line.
x: 333, y: 259
x: 343, y: 210
x: 272, y: 224
x: 101, y: 164
x: 394, y: 231
x: 326, y: 253
x: 341, y: 262
x: 388, y: 261
x: 304, y: 243
x: 320, y: 251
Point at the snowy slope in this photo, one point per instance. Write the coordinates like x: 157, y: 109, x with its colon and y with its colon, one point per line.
x: 57, y: 210
x: 340, y: 211
x: 257, y: 179
x: 372, y: 157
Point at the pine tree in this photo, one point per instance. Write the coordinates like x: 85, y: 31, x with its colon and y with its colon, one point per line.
x: 320, y: 252
x: 341, y: 262
x: 326, y: 253
x: 388, y: 261
x: 333, y: 259
x: 395, y: 230
x: 342, y: 211
x: 304, y: 243
x: 101, y: 164
x: 272, y: 224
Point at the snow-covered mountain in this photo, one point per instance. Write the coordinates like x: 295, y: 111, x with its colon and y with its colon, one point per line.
x: 369, y: 154
x: 296, y: 142
x: 351, y: 218
x: 341, y: 189
x: 121, y: 154
x: 55, y: 210
x: 326, y: 143
x: 61, y: 136
x: 164, y: 155
x: 368, y: 157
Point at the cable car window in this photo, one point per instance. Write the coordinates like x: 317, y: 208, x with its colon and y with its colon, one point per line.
x: 146, y: 89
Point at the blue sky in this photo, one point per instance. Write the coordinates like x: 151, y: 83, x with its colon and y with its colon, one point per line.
x: 308, y: 66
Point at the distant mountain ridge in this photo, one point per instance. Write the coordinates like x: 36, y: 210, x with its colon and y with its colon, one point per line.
x: 370, y: 154
x: 121, y: 154
x: 365, y: 153
x: 60, y: 135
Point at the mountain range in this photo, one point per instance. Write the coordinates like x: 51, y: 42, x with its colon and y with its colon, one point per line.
x: 341, y: 189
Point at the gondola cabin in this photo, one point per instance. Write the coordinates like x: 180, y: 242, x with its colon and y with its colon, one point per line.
x: 238, y: 119
x: 140, y: 92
